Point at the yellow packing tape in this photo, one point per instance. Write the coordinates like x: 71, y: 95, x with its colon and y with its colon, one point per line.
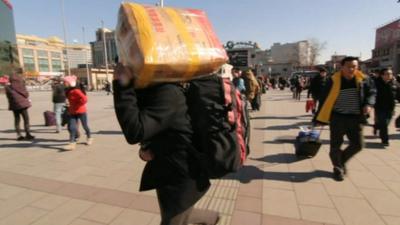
x: 194, y: 59
x: 147, y: 40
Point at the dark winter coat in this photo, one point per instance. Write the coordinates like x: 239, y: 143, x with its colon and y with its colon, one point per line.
x: 17, y: 95
x: 156, y: 117
x: 317, y: 84
x: 387, y: 94
x: 59, y: 93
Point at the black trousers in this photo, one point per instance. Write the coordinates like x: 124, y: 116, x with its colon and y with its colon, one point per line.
x: 383, y: 119
x: 17, y: 121
x: 341, y: 125
x: 176, y: 202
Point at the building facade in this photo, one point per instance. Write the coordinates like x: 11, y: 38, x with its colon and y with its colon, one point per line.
x: 47, y: 57
x: 97, y: 77
x: 41, y: 57
x: 298, y: 54
x: 97, y: 46
x: 387, y: 47
x: 79, y: 54
x: 8, y: 49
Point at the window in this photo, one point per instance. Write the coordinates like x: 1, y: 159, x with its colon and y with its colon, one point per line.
x: 42, y: 54
x: 43, y: 65
x: 27, y: 52
x: 55, y: 55
x: 29, y: 64
x: 56, y: 65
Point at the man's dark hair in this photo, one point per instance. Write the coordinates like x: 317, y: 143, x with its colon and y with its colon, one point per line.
x: 349, y: 59
x: 322, y: 69
x: 384, y: 70
x: 235, y: 69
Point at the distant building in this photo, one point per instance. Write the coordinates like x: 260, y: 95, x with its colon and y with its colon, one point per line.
x: 387, y: 47
x: 298, y: 54
x: 97, y: 77
x: 47, y: 57
x: 98, y: 48
x: 79, y: 54
x: 334, y: 63
x: 8, y: 49
x: 40, y: 57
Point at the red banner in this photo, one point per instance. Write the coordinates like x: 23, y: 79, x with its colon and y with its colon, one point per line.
x: 388, y: 34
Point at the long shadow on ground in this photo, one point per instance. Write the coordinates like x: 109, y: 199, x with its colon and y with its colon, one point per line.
x: 287, y: 127
x: 37, y: 142
x: 279, y: 117
x: 249, y: 173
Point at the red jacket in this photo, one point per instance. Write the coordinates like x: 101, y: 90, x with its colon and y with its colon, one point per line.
x: 77, y: 101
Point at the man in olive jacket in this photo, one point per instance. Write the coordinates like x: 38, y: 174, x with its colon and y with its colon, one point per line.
x: 346, y: 102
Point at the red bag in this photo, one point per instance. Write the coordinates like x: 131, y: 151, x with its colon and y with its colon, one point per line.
x: 310, y: 105
x: 4, y: 79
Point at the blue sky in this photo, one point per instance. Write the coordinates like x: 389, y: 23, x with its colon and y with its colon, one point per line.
x: 348, y: 26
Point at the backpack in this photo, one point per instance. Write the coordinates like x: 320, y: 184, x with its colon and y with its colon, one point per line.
x: 220, y: 124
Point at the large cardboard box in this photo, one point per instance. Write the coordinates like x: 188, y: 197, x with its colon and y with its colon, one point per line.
x: 167, y: 44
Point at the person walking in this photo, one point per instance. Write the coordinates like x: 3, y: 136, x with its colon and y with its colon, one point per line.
x: 77, y: 109
x: 58, y: 101
x: 318, y: 84
x: 157, y: 118
x: 19, y: 102
x: 238, y: 80
x: 345, y: 104
x: 107, y: 88
x: 252, y: 87
x: 388, y: 92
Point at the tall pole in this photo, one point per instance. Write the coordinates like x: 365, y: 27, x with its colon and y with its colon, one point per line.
x: 65, y: 38
x: 105, y: 48
x: 86, y: 59
x: 162, y: 3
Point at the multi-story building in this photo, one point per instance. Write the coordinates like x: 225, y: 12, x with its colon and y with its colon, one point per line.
x: 41, y: 57
x: 79, y: 54
x: 8, y: 50
x: 298, y: 54
x: 387, y: 47
x: 98, y: 53
x: 46, y: 57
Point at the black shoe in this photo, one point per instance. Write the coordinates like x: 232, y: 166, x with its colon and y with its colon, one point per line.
x: 20, y: 138
x: 338, y: 174
x: 385, y: 143
x: 29, y: 137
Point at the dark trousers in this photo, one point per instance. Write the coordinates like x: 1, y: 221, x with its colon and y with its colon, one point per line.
x: 17, y: 121
x: 340, y: 126
x: 383, y: 119
x: 72, y: 126
x: 176, y: 202
x: 256, y: 102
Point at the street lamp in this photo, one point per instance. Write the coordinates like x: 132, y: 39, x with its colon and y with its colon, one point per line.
x: 86, y: 58
x: 65, y: 38
x: 105, y: 48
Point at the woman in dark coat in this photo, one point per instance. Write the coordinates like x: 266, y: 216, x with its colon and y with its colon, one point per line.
x: 18, y: 99
x: 156, y: 117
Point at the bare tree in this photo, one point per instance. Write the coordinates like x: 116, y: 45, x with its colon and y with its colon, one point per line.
x: 316, y: 47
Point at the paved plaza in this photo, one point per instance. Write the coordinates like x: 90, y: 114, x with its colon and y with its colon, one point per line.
x: 97, y: 185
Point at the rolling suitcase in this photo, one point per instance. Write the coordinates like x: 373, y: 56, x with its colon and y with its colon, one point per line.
x: 49, y: 118
x: 307, y: 142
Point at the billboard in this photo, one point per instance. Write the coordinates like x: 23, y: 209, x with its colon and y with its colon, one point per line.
x: 8, y: 45
x: 387, y: 34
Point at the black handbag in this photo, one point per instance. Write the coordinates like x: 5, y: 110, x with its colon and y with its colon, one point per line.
x: 65, y: 116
